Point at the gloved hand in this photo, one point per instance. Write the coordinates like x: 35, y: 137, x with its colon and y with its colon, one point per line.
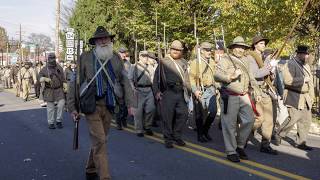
x: 65, y: 87
x: 45, y: 79
x: 306, y: 79
x: 236, y: 74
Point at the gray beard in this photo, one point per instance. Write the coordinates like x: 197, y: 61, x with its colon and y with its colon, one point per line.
x: 104, y: 52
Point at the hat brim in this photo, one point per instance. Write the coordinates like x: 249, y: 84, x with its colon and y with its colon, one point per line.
x: 304, y: 52
x: 263, y: 39
x: 179, y: 49
x: 92, y: 40
x: 238, y: 44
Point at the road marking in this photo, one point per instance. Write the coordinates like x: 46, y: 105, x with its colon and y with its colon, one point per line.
x: 221, y: 154
x: 216, y: 159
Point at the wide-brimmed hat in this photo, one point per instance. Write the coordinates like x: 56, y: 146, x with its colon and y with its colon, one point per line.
x: 257, y: 39
x: 239, y: 41
x: 176, y: 45
x: 302, y: 49
x: 101, y: 32
x: 206, y: 46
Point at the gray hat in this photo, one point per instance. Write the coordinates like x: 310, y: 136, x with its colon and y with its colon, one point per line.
x: 176, y: 45
x: 123, y: 50
x: 238, y: 41
x: 206, y: 45
x: 152, y: 55
x: 145, y: 53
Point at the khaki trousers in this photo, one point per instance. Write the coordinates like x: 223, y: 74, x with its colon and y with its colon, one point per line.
x: 55, y: 114
x: 265, y: 120
x: 26, y: 88
x: 17, y: 88
x: 239, y: 111
x: 303, y: 119
x: 98, y: 124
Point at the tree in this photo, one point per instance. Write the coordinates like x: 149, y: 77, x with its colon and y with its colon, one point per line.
x: 43, y: 41
x: 131, y: 20
x: 3, y: 38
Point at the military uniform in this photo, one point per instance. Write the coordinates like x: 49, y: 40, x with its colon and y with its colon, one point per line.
x: 298, y: 97
x: 174, y: 109
x: 141, y: 77
x: 206, y: 108
x: 236, y: 101
x: 14, y: 76
x: 37, y: 85
x: 261, y: 73
x: 54, y: 81
x: 7, y: 78
x: 27, y: 75
x: 122, y: 114
x: 99, y: 121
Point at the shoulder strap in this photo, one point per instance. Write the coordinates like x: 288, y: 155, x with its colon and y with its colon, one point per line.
x: 142, y: 73
x: 178, y: 67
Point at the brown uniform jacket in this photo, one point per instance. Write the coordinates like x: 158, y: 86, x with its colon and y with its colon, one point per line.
x: 87, y: 72
x: 53, y: 91
x: 297, y: 94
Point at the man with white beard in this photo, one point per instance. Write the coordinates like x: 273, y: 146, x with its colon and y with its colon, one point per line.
x: 105, y: 88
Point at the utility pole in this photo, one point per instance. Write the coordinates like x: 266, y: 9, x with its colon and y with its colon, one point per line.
x: 20, y: 48
x: 57, y: 29
x: 7, y: 55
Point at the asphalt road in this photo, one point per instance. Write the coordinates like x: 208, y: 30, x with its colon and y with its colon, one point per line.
x: 29, y: 150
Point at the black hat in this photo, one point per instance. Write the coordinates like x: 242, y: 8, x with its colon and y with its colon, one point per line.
x: 101, y: 32
x: 257, y: 39
x: 51, y: 56
x: 302, y: 49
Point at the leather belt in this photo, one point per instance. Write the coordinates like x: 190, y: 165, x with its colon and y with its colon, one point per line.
x: 144, y: 86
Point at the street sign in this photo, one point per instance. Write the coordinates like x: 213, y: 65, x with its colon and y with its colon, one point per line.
x: 69, y: 35
x: 69, y: 29
x: 70, y: 43
x: 69, y: 57
x: 32, y: 48
x: 70, y: 51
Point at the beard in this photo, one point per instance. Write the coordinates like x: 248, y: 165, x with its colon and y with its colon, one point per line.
x: 104, y: 52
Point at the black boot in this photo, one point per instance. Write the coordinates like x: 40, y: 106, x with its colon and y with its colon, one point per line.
x: 59, y: 125
x: 233, y: 158
x: 268, y: 150
x: 277, y: 140
x: 202, y: 139
x: 303, y: 146
x: 242, y: 154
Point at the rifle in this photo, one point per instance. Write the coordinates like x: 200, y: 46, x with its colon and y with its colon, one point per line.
x: 77, y: 99
x: 292, y: 29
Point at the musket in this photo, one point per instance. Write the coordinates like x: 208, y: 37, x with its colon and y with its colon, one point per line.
x: 77, y: 100
x: 292, y: 29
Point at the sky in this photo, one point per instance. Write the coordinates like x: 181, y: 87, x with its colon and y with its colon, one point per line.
x: 35, y: 16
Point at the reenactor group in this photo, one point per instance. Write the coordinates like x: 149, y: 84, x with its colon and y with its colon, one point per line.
x: 49, y: 80
x: 239, y: 84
